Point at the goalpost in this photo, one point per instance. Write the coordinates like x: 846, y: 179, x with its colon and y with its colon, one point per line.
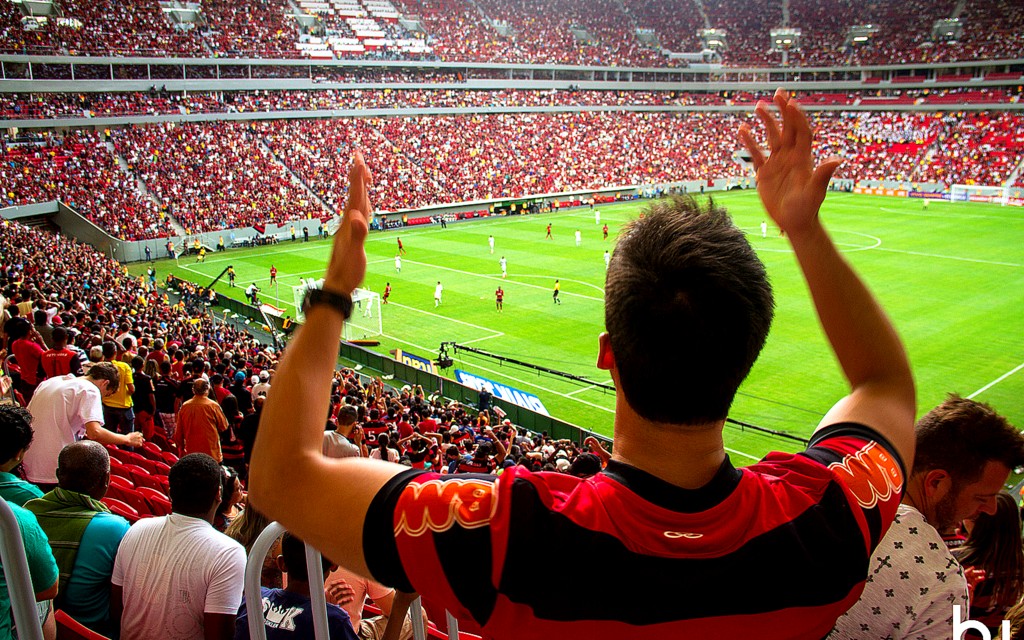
x: 366, y: 320
x: 977, y: 193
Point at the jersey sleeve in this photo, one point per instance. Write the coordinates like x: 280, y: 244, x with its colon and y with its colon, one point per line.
x: 431, y: 534
x: 869, y: 469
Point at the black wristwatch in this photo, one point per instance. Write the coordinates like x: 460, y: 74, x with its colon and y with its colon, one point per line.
x: 341, y: 302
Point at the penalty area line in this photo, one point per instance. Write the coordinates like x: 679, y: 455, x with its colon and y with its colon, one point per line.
x: 996, y: 381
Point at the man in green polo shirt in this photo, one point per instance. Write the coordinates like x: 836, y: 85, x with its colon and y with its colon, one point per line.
x: 83, y: 533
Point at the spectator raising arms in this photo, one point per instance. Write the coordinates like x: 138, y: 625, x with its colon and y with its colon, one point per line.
x: 669, y: 497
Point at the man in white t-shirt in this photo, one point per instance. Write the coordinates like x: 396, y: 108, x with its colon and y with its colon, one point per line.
x: 337, y: 443
x: 579, y: 238
x: 176, y: 577
x: 65, y: 409
x: 504, y: 266
x: 437, y: 294
x: 490, y: 243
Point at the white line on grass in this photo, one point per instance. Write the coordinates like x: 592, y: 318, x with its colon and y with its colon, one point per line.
x: 581, y: 390
x: 499, y: 279
x: 280, y: 274
x: 961, y: 259
x: 997, y: 381
x: 842, y: 245
x: 948, y: 216
x: 447, y: 319
x: 740, y: 453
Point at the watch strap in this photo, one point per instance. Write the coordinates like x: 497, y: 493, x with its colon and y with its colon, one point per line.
x: 341, y: 302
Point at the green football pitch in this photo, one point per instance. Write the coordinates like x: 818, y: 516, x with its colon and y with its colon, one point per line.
x: 951, y: 276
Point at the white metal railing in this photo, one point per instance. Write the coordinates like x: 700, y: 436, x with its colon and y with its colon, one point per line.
x: 253, y: 597
x: 19, y: 583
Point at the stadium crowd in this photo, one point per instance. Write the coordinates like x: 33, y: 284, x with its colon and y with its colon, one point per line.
x: 541, y: 31
x: 213, y: 176
x: 182, y: 365
x: 49, y: 106
x: 201, y: 176
x: 94, y: 351
x: 78, y: 169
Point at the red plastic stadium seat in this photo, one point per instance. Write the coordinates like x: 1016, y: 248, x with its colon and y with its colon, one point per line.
x: 132, y: 469
x: 117, y: 467
x: 119, y: 455
x: 169, y: 457
x: 161, y: 468
x: 137, y: 458
x: 121, y: 481
x: 159, y: 503
x: 130, y: 497
x: 151, y: 451
x: 70, y: 629
x: 143, y: 478
x: 122, y: 509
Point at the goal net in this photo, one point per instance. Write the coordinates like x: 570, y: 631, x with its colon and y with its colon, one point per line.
x: 365, y: 321
x: 975, y: 193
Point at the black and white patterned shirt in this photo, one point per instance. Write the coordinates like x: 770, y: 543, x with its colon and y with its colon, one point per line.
x: 912, y: 586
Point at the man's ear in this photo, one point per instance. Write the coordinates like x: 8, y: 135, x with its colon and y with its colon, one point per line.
x: 937, y: 485
x: 605, y: 357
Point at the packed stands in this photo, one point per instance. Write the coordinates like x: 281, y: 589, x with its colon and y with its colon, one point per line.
x: 255, y: 29
x: 79, y: 170
x: 220, y: 175
x: 56, y: 105
x: 512, y: 155
x: 534, y: 31
x: 213, y: 176
x: 103, y: 27
x: 318, y: 152
x: 978, y: 149
x: 676, y: 29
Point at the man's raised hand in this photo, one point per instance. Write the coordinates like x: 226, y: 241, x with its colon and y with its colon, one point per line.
x: 791, y: 188
x: 348, y: 259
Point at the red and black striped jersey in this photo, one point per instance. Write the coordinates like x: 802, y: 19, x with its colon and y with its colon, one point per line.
x: 776, y: 550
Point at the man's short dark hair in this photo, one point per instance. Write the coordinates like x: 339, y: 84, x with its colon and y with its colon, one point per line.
x: 15, y: 430
x: 105, y: 371
x: 59, y: 335
x: 109, y: 349
x: 293, y: 550
x: 687, y: 308
x: 347, y: 415
x: 195, y: 484
x: 83, y: 466
x: 959, y: 436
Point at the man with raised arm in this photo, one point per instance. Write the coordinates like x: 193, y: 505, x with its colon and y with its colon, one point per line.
x: 775, y: 550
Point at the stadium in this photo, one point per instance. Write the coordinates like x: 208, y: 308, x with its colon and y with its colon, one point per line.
x: 182, y: 194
